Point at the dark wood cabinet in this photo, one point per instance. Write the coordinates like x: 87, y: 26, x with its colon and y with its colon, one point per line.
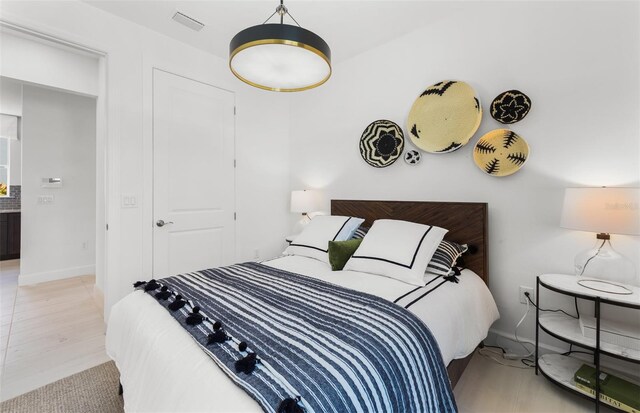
x: 4, y: 235
x: 9, y: 235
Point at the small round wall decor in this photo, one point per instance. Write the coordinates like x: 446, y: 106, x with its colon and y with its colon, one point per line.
x: 412, y: 157
x: 444, y: 117
x: 510, y: 106
x: 501, y: 152
x: 381, y: 143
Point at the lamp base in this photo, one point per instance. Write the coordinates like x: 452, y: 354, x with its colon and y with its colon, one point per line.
x: 299, y: 226
x: 604, y: 262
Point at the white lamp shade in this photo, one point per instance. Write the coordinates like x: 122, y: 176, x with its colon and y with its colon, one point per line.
x: 606, y: 210
x: 305, y: 201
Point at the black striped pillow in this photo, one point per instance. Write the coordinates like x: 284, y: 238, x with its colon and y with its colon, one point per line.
x: 445, y: 257
x: 360, y: 233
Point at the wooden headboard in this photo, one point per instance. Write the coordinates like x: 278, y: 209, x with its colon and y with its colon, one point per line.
x: 466, y: 222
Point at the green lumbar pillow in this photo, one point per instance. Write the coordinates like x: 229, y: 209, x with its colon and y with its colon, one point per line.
x: 341, y: 251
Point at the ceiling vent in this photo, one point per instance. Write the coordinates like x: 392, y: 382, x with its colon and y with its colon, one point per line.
x: 185, y: 20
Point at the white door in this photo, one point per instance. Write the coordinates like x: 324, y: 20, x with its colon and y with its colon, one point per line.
x: 194, y: 176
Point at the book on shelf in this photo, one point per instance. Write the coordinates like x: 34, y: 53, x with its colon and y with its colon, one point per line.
x: 614, y: 391
x: 607, y: 400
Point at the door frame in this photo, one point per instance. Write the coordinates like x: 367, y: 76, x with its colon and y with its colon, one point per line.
x: 107, y: 175
x: 105, y: 184
x: 149, y: 65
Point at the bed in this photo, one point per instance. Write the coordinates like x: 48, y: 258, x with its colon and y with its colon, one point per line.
x: 163, y: 369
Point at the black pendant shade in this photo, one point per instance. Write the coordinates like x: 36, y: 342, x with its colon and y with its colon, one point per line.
x: 280, y: 57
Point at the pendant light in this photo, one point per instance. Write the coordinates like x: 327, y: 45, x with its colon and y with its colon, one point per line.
x: 280, y: 57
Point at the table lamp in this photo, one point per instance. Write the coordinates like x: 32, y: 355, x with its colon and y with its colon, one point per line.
x: 604, y: 211
x: 304, y: 202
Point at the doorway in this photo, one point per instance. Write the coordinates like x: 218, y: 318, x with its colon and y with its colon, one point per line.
x: 51, y: 306
x: 52, y: 301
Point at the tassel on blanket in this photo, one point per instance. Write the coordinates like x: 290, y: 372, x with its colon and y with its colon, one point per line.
x: 451, y: 278
x: 290, y: 405
x: 472, y: 249
x: 246, y: 364
x: 218, y: 337
x: 217, y: 326
x: 177, y: 304
x: 152, y: 285
x: 242, y: 346
x: 164, y: 293
x: 139, y: 284
x: 195, y: 317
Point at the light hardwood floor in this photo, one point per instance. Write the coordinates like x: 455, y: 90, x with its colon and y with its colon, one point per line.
x: 49, y: 330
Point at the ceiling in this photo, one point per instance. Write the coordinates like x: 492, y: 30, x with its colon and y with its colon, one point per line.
x: 350, y: 27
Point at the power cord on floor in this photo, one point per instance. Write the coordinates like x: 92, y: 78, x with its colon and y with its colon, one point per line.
x: 508, y: 359
x: 519, y: 361
x: 522, y: 343
x: 488, y: 352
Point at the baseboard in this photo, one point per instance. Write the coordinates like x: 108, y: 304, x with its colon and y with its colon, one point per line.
x: 544, y: 347
x: 39, y: 277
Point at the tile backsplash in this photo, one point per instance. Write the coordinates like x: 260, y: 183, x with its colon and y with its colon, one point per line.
x: 13, y: 201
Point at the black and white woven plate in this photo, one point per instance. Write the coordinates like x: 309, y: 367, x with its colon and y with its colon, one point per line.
x: 510, y: 106
x: 381, y: 143
x: 412, y: 157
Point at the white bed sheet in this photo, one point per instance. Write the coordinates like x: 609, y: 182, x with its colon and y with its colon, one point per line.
x: 162, y: 369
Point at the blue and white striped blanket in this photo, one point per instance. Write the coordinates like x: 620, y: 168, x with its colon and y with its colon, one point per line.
x: 319, y: 347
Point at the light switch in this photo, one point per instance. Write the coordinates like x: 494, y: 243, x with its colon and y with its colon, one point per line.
x: 129, y: 201
x: 45, y: 199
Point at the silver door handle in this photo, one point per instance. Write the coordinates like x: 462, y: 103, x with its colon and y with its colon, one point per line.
x: 161, y: 223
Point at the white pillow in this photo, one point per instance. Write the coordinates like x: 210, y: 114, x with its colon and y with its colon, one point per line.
x: 397, y: 249
x: 314, y: 239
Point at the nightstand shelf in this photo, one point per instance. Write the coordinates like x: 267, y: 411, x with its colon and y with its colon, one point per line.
x: 560, y: 369
x: 568, y: 329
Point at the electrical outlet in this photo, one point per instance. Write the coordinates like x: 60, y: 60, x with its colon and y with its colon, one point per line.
x: 523, y: 298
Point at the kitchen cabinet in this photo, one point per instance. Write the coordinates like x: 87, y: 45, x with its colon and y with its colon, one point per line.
x: 9, y: 235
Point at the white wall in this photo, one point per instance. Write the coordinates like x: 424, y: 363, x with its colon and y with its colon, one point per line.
x: 583, y: 129
x: 46, y: 63
x: 261, y: 133
x: 578, y: 62
x: 10, y: 96
x: 59, y: 140
x: 11, y: 104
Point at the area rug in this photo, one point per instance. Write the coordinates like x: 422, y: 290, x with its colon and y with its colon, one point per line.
x: 92, y: 390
